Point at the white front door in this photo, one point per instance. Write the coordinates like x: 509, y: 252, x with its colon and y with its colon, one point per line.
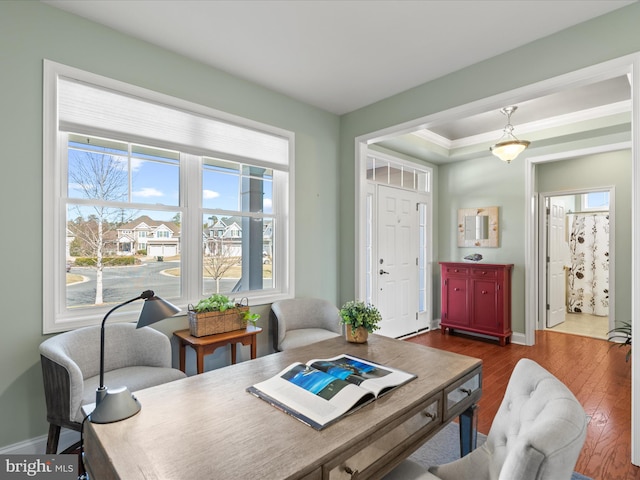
x: 558, y: 258
x: 396, y: 268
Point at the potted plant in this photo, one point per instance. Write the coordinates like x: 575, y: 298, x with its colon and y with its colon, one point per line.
x: 218, y: 314
x: 360, y: 318
x: 622, y: 335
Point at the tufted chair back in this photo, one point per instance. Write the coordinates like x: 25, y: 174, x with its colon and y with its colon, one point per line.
x: 537, y: 433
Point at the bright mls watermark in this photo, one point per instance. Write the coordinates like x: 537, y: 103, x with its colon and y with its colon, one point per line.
x: 39, y: 467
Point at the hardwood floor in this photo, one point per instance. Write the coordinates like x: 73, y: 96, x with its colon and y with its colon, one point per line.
x: 596, y: 372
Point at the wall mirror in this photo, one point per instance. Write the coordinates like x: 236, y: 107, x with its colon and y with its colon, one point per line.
x: 478, y: 227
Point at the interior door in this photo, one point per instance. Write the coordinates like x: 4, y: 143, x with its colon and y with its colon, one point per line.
x: 397, y: 267
x: 558, y: 249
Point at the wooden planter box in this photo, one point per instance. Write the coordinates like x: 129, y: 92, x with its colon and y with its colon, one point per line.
x: 210, y: 323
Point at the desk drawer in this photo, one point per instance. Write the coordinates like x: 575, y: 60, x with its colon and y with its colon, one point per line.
x: 365, y: 459
x: 462, y: 394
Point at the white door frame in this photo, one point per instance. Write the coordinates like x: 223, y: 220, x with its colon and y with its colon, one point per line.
x: 542, y: 270
x: 365, y: 189
x: 620, y: 66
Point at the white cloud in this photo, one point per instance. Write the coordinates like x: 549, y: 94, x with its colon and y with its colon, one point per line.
x: 148, y: 192
x: 209, y: 194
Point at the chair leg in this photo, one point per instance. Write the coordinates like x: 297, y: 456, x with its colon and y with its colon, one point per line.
x: 52, y: 439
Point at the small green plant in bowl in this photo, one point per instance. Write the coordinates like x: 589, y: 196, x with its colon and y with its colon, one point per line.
x: 357, y: 313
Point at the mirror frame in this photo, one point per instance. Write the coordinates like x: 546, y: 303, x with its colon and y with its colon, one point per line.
x: 492, y: 240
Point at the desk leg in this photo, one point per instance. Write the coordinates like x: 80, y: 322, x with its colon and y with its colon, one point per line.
x: 182, y: 357
x: 468, y: 430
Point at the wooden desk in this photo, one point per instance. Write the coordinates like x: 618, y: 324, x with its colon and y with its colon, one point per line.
x: 208, y: 344
x: 207, y: 426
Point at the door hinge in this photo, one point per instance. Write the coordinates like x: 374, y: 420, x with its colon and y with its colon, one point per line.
x: 548, y: 307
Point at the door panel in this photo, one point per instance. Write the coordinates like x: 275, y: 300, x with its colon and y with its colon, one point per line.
x: 457, y: 308
x: 485, y: 304
x: 558, y: 258
x: 397, y: 261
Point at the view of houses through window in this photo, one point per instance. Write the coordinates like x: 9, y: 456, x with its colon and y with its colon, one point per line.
x: 106, y: 242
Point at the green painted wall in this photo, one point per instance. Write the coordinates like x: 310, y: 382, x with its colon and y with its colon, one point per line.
x: 484, y: 182
x: 603, y: 170
x: 30, y: 32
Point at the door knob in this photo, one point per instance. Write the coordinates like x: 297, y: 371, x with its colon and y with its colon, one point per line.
x: 382, y: 272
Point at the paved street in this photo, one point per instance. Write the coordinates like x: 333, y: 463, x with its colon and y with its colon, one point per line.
x: 122, y: 283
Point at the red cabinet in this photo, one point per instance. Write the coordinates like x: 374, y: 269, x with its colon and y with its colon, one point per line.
x: 476, y: 297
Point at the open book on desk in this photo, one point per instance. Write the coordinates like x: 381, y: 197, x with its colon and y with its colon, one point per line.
x: 323, y: 390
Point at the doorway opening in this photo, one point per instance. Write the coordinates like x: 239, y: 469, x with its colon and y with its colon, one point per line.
x: 579, y: 267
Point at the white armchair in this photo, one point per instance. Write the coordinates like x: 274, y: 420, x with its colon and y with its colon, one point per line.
x: 301, y: 321
x: 537, y: 434
x: 135, y: 358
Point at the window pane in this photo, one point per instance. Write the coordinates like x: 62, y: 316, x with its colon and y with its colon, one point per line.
x: 220, y: 185
x: 97, y: 169
x: 155, y: 176
x: 596, y: 200
x: 115, y: 254
x: 237, y: 254
x: 395, y: 176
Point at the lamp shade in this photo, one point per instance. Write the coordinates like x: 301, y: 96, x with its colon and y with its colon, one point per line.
x: 508, y: 150
x: 154, y: 310
x: 508, y: 147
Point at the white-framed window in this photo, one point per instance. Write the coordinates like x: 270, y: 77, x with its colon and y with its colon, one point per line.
x: 120, y: 159
x: 595, y: 201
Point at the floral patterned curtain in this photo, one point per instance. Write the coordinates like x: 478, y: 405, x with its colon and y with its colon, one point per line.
x: 588, y: 276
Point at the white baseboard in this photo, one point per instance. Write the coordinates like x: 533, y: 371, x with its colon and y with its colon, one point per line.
x: 38, y: 445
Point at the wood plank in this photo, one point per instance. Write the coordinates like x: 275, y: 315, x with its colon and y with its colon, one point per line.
x: 595, y: 372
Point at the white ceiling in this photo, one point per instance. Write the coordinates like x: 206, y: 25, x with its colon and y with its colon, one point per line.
x: 339, y: 55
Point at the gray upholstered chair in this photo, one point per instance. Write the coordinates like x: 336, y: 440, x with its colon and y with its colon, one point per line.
x: 537, y: 434
x: 135, y: 358
x: 301, y: 321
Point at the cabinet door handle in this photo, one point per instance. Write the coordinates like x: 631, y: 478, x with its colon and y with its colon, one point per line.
x: 467, y: 391
x: 484, y: 292
x: 430, y: 415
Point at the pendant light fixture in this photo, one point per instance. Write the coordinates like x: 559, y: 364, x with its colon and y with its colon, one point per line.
x: 508, y: 147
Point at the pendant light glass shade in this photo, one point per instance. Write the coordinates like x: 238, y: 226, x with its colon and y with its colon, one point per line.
x: 508, y: 147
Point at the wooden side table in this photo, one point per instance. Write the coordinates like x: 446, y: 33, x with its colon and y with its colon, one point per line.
x: 208, y: 344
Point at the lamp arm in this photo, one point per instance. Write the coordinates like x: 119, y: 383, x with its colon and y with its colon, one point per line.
x: 146, y: 294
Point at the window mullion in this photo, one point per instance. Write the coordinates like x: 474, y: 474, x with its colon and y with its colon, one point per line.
x: 191, y: 202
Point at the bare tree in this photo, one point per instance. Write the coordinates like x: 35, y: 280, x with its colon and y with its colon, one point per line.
x: 102, y: 178
x: 219, y: 258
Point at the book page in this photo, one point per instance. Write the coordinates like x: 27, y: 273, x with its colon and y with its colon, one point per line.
x: 310, y: 395
x: 364, y: 373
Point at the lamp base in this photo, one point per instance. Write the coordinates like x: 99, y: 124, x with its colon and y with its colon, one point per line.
x: 115, y: 405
